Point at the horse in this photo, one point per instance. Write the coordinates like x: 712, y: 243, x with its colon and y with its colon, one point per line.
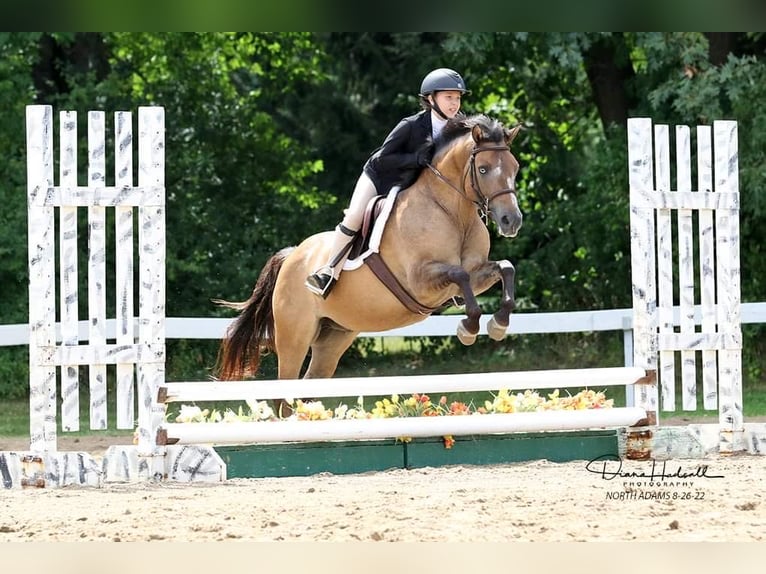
x: 435, y: 244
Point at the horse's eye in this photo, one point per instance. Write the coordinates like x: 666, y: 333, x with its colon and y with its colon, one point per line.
x: 482, y: 170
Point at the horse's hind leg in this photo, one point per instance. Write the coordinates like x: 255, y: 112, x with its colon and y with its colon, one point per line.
x: 327, y: 350
x: 291, y: 347
x: 327, y: 344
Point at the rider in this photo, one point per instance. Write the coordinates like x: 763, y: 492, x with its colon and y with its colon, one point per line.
x: 404, y: 153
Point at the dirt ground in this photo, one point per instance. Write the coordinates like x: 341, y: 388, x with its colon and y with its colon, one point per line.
x: 715, y: 499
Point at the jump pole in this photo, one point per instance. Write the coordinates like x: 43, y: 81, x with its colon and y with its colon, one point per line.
x: 391, y: 428
x: 387, y: 385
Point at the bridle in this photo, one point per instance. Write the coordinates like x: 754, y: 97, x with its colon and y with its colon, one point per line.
x: 483, y: 202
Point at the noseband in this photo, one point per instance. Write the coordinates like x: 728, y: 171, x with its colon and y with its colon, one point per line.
x: 483, y: 202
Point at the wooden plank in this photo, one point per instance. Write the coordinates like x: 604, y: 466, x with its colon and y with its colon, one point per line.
x: 405, y: 384
x: 352, y: 457
x: 68, y: 273
x: 306, y: 459
x: 108, y: 354
x: 97, y: 268
x: 124, y: 271
x: 700, y: 341
x: 684, y: 199
x: 707, y: 267
x: 42, y: 282
x: 502, y: 449
x: 643, y: 259
x: 151, y: 240
x: 686, y: 268
x: 103, y: 196
x: 726, y: 162
x: 382, y: 428
x: 586, y: 321
x: 664, y: 246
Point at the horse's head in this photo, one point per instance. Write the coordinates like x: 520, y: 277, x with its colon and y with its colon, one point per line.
x: 492, y: 169
x: 489, y: 173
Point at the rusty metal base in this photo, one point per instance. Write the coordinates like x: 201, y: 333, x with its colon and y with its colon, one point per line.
x: 692, y: 441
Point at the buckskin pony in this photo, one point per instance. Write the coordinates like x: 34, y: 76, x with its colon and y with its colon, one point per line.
x: 435, y: 245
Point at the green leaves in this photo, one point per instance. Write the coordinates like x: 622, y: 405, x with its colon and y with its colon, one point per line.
x: 267, y: 133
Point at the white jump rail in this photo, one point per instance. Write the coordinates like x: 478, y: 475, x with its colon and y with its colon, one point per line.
x: 411, y: 427
x: 378, y: 386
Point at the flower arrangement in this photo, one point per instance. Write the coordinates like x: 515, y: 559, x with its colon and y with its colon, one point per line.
x: 416, y: 405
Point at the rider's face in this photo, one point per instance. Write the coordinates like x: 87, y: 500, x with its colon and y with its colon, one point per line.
x: 448, y: 102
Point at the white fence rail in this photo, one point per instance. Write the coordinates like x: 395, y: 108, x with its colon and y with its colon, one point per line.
x: 436, y: 326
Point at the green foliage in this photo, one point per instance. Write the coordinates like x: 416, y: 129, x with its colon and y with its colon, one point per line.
x: 228, y: 160
x: 14, y: 373
x: 15, y: 91
x: 267, y: 133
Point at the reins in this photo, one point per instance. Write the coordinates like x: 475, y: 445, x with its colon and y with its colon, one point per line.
x: 483, y: 205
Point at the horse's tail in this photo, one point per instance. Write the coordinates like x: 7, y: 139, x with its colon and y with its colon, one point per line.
x: 253, y: 330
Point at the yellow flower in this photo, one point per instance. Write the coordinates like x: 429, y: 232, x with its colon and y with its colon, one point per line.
x: 312, y: 411
x: 191, y: 414
x: 229, y: 416
x: 416, y: 405
x: 260, y: 410
x: 340, y: 412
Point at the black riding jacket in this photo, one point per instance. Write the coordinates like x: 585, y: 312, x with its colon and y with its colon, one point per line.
x: 395, y: 162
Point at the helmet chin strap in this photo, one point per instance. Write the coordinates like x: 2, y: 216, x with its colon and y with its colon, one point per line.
x: 435, y: 106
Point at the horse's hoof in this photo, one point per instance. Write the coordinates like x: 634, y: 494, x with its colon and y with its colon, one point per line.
x: 464, y: 336
x: 495, y: 330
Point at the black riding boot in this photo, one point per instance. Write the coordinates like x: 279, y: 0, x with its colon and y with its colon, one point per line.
x: 323, y: 279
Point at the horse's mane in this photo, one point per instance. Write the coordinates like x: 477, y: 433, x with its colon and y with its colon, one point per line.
x: 456, y: 127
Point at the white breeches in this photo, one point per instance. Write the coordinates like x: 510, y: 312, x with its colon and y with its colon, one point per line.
x: 364, y: 191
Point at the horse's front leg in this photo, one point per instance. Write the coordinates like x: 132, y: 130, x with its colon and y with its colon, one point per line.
x: 468, y: 328
x: 497, y: 326
x: 483, y: 277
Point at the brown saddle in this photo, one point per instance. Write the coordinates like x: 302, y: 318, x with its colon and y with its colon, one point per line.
x: 378, y: 266
x: 362, y: 239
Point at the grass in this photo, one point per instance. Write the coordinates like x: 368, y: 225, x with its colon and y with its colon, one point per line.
x: 425, y: 355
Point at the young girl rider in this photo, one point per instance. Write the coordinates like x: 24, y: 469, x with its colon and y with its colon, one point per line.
x: 404, y: 153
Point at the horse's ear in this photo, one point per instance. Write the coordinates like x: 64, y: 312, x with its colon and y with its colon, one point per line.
x: 510, y: 134
x: 477, y: 133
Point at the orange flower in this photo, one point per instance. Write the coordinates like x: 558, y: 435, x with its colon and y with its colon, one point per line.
x: 448, y: 441
x: 458, y: 408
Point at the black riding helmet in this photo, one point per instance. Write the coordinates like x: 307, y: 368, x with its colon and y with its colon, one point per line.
x: 440, y: 80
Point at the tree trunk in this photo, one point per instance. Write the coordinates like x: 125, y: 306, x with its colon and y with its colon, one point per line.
x: 609, y: 72
x: 61, y: 65
x: 720, y: 45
